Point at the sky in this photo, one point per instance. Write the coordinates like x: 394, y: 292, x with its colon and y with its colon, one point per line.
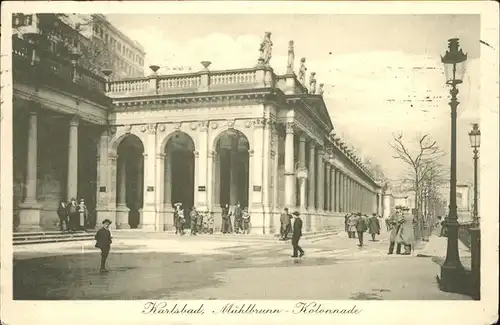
x: 382, y: 73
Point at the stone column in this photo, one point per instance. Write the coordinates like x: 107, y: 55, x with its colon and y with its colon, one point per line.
x: 161, y: 221
x: 320, y: 183
x: 312, y: 177
x: 72, y: 185
x: 217, y: 180
x: 167, y: 187
x: 105, y: 200
x: 148, y: 213
x: 275, y: 154
x: 302, y: 163
x: 379, y: 203
x: 289, y: 167
x: 141, y: 189
x: 121, y: 209
x: 257, y: 175
x: 210, y: 188
x: 202, y: 161
x: 346, y: 194
x: 29, y: 214
x: 337, y: 190
x: 332, y: 189
x: 326, y: 193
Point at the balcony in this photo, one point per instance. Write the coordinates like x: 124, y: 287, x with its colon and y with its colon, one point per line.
x: 46, y: 69
x: 203, y: 81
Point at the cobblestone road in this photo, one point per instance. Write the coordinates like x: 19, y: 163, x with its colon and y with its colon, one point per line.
x: 205, y: 268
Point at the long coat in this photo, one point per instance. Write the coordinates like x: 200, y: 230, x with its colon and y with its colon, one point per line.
x: 351, y: 222
x: 406, y: 234
x: 373, y: 225
x: 394, y: 225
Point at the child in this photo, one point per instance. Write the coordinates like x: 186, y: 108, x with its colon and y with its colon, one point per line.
x: 246, y: 221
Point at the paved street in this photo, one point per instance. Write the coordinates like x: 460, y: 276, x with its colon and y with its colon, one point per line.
x: 204, y: 268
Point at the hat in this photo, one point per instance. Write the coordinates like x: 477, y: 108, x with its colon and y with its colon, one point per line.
x: 374, y: 214
x: 296, y: 213
x: 405, y: 209
x: 106, y: 221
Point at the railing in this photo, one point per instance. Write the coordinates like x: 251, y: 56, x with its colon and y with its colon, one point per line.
x: 46, y: 63
x: 193, y: 82
x: 464, y: 233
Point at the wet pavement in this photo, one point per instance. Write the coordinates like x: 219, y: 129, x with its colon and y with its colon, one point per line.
x: 178, y: 268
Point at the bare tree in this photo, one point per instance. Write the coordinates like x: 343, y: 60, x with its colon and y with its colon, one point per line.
x: 419, y: 163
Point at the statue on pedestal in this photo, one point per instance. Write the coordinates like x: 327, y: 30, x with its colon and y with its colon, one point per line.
x: 312, y: 83
x: 291, y: 58
x: 302, y: 71
x: 266, y: 49
x: 320, y: 89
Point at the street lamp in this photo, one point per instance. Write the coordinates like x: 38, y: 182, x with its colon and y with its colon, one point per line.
x: 452, y: 270
x: 475, y: 141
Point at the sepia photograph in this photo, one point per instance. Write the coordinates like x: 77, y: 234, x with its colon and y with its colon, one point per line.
x: 239, y: 157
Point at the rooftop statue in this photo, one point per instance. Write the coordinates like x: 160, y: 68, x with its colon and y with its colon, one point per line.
x: 291, y: 58
x: 302, y: 71
x: 312, y: 83
x: 266, y: 49
x: 320, y: 89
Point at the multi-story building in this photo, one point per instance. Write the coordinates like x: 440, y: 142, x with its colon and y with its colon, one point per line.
x: 101, y: 44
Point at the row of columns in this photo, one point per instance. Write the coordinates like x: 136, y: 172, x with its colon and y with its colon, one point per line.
x: 30, y: 209
x: 329, y: 188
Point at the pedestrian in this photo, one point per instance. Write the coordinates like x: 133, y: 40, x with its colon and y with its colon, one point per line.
x: 225, y: 219
x: 352, y: 220
x: 176, y: 217
x: 296, y: 234
x: 285, y: 223
x: 406, y: 233
x: 181, y: 220
x: 82, y: 213
x: 237, y: 218
x: 62, y: 213
x: 73, y: 214
x: 201, y: 219
x: 103, y: 242
x: 361, y: 227
x: 394, y: 222
x: 209, y: 223
x: 193, y: 217
x: 346, y: 225
x: 245, y: 218
x: 373, y: 226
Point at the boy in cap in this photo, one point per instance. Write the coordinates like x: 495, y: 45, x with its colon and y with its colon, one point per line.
x: 296, y: 234
x: 103, y: 242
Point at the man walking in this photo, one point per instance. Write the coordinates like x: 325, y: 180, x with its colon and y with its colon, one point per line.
x: 285, y: 224
x: 373, y: 226
x: 394, y: 222
x: 103, y: 242
x: 62, y: 213
x: 296, y: 234
x: 73, y: 214
x: 361, y: 227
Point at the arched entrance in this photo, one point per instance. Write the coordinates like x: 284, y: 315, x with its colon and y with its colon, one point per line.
x: 130, y: 181
x: 179, y: 171
x: 231, y: 169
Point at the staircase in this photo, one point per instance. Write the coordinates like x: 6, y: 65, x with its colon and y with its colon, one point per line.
x: 41, y: 237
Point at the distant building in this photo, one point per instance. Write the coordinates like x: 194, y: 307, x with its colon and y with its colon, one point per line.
x: 101, y: 44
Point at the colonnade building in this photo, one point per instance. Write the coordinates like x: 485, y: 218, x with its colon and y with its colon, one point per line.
x: 132, y: 148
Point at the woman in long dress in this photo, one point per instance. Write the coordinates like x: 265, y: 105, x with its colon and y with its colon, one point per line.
x: 82, y: 210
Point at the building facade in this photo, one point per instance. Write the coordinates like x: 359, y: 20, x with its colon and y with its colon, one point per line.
x: 132, y: 148
x: 100, y: 44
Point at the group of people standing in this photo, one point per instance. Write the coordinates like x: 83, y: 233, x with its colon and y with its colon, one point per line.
x: 401, y: 231
x: 358, y: 224
x: 204, y: 221
x: 72, y: 215
x: 235, y: 219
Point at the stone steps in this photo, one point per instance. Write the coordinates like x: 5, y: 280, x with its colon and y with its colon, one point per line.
x: 25, y: 238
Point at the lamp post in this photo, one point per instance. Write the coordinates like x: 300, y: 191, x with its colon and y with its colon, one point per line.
x: 452, y: 270
x: 475, y: 141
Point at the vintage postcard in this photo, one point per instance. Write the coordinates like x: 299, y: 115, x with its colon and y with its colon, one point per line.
x: 249, y: 162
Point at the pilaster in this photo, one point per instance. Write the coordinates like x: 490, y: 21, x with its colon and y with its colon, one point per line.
x: 148, y: 213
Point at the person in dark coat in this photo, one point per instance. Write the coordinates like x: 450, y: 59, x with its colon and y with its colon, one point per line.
x: 238, y: 227
x: 62, y: 213
x: 73, y: 214
x: 296, y: 234
x: 225, y: 219
x: 361, y: 227
x: 285, y: 224
x: 193, y: 216
x: 103, y: 242
x: 395, y: 222
x: 373, y: 226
